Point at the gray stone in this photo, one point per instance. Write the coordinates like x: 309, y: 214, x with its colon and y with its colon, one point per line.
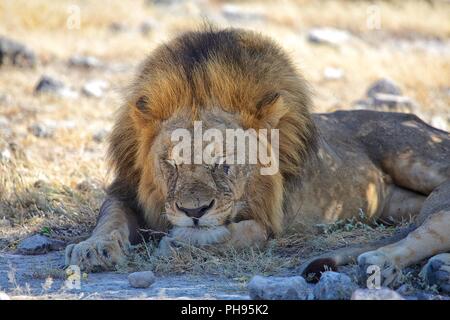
x: 405, y: 290
x: 95, y: 88
x: 334, y: 286
x: 235, y: 13
x: 86, y: 62
x: 383, y: 85
x: 143, y: 279
x: 376, y: 294
x: 49, y: 85
x: 117, y: 27
x: 38, y: 244
x: 278, y: 288
x: 437, y: 272
x: 148, y: 26
x: 388, y: 102
x: 393, y: 101
x: 41, y: 130
x: 330, y: 36
x: 100, y: 135
x: 15, y: 53
x: 5, y: 223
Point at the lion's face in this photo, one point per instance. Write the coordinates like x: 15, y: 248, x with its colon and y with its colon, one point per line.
x: 201, y: 198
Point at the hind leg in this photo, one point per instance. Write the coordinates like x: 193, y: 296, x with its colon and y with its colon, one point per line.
x: 430, y: 238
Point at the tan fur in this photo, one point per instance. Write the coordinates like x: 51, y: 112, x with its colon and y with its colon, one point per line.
x: 332, y: 166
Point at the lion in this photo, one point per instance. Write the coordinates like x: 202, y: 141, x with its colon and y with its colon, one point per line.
x: 333, y: 166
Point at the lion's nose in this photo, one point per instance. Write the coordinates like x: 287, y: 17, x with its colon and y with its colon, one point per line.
x: 198, y: 212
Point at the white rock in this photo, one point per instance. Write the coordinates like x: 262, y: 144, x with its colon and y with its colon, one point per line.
x: 334, y: 286
x: 236, y: 13
x: 330, y: 73
x: 143, y: 279
x: 5, y: 155
x: 330, y: 36
x: 376, y: 294
x: 278, y: 288
x: 95, y: 88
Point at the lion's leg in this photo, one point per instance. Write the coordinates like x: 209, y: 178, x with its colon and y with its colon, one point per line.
x: 109, y: 242
x: 401, y: 205
x: 430, y: 238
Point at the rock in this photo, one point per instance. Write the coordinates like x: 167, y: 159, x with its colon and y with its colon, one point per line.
x: 52, y: 86
x: 388, y: 102
x: 5, y: 223
x: 100, y: 135
x: 4, y: 296
x: 148, y: 26
x: 15, y: 53
x: 117, y: 27
x: 164, y: 2
x: 38, y: 244
x: 41, y: 130
x: 95, y: 88
x: 330, y: 36
x: 334, y: 286
x: 141, y: 279
x: 235, y: 13
x: 383, y: 85
x: 394, y: 102
x: 5, y: 155
x: 376, y: 294
x: 437, y: 272
x: 405, y: 290
x: 330, y: 73
x: 278, y: 288
x: 86, y: 62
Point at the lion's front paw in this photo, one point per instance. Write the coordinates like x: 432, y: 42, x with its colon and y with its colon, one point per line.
x: 389, y: 273
x: 437, y: 271
x: 98, y: 253
x: 247, y: 233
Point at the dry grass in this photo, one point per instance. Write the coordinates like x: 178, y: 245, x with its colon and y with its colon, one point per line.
x: 55, y: 185
x: 281, y: 256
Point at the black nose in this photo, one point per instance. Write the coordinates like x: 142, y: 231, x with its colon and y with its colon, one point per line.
x: 196, y: 212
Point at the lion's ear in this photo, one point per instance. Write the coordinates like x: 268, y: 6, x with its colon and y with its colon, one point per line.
x: 271, y: 108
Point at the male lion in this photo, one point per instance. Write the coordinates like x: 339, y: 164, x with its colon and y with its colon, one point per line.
x: 331, y: 166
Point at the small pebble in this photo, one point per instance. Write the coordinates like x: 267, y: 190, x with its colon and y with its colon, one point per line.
x: 334, y: 286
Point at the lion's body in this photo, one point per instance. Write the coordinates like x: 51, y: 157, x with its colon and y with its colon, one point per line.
x: 331, y: 166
